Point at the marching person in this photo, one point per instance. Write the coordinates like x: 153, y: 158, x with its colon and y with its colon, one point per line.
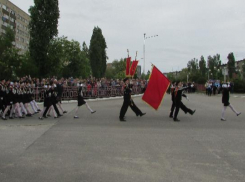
x: 172, y: 98
x: 47, y: 103
x: 59, y: 90
x: 225, y: 101
x: 178, y: 103
x: 128, y: 102
x: 2, y: 95
x: 81, y: 101
x: 51, y: 101
x: 8, y: 100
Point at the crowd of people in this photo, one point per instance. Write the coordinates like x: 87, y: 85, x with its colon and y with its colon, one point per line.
x: 215, y: 87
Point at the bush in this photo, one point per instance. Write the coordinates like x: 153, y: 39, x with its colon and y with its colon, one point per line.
x: 239, y: 86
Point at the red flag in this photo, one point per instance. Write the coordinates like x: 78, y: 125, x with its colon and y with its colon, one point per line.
x: 156, y: 88
x: 133, y: 67
x: 128, y: 61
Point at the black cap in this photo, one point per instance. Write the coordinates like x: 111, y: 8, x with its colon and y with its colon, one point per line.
x: 125, y: 79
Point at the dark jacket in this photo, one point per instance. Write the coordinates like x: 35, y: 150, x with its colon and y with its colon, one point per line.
x: 225, y: 97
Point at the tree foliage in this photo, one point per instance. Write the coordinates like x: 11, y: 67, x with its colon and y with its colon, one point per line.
x: 214, y: 66
x: 9, y: 58
x: 117, y: 69
x: 97, y: 53
x: 231, y: 64
x: 202, y: 66
x: 43, y: 28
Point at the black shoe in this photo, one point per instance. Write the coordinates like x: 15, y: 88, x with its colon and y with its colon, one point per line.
x: 192, y: 112
x: 176, y: 120
x: 64, y: 112
x: 4, y: 118
x: 60, y: 115
x: 93, y: 112
x: 11, y: 117
x: 142, y: 114
x: 238, y: 114
x: 39, y: 110
x: 76, y: 117
x: 171, y: 116
x: 45, y: 117
x: 55, y: 117
x: 122, y: 120
x: 40, y: 118
x: 48, y: 115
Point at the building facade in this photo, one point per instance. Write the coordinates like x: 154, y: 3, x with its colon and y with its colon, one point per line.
x: 17, y: 20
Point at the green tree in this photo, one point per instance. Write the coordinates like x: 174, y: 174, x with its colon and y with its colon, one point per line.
x: 6, y: 40
x: 243, y: 69
x: 9, y: 58
x: 43, y: 28
x: 97, y: 53
x: 214, y: 66
x: 76, y: 60
x: 192, y: 66
x: 202, y: 66
x: 27, y: 66
x: 231, y: 64
x: 87, y: 66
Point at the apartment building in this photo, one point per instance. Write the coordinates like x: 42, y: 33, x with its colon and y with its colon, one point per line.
x: 17, y: 20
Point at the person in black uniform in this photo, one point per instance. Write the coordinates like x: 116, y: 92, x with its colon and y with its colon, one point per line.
x: 81, y: 101
x: 51, y: 101
x: 172, y: 98
x: 225, y: 101
x: 178, y: 103
x: 8, y: 100
x: 59, y: 90
x: 2, y: 95
x: 46, y: 102
x: 127, y: 101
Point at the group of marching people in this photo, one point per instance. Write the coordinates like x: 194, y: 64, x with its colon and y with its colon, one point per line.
x: 15, y: 99
x: 52, y: 100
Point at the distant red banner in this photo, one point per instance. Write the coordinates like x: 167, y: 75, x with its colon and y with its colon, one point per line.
x: 128, y: 61
x: 133, y: 67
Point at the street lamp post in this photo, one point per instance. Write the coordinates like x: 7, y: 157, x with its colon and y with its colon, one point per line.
x: 144, y: 48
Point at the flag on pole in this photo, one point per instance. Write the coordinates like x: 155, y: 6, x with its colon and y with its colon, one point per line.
x: 128, y: 61
x: 156, y: 88
x: 133, y: 67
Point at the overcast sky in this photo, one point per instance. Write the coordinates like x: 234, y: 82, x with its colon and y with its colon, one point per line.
x: 186, y: 29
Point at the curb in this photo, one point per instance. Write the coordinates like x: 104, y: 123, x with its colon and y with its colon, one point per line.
x: 97, y: 99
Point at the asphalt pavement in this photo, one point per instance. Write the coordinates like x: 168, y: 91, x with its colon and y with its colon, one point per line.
x: 99, y: 148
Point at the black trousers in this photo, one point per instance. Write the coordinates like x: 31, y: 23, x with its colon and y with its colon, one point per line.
x: 183, y: 107
x: 172, y: 109
x: 1, y: 104
x: 55, y: 108
x: 132, y: 105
